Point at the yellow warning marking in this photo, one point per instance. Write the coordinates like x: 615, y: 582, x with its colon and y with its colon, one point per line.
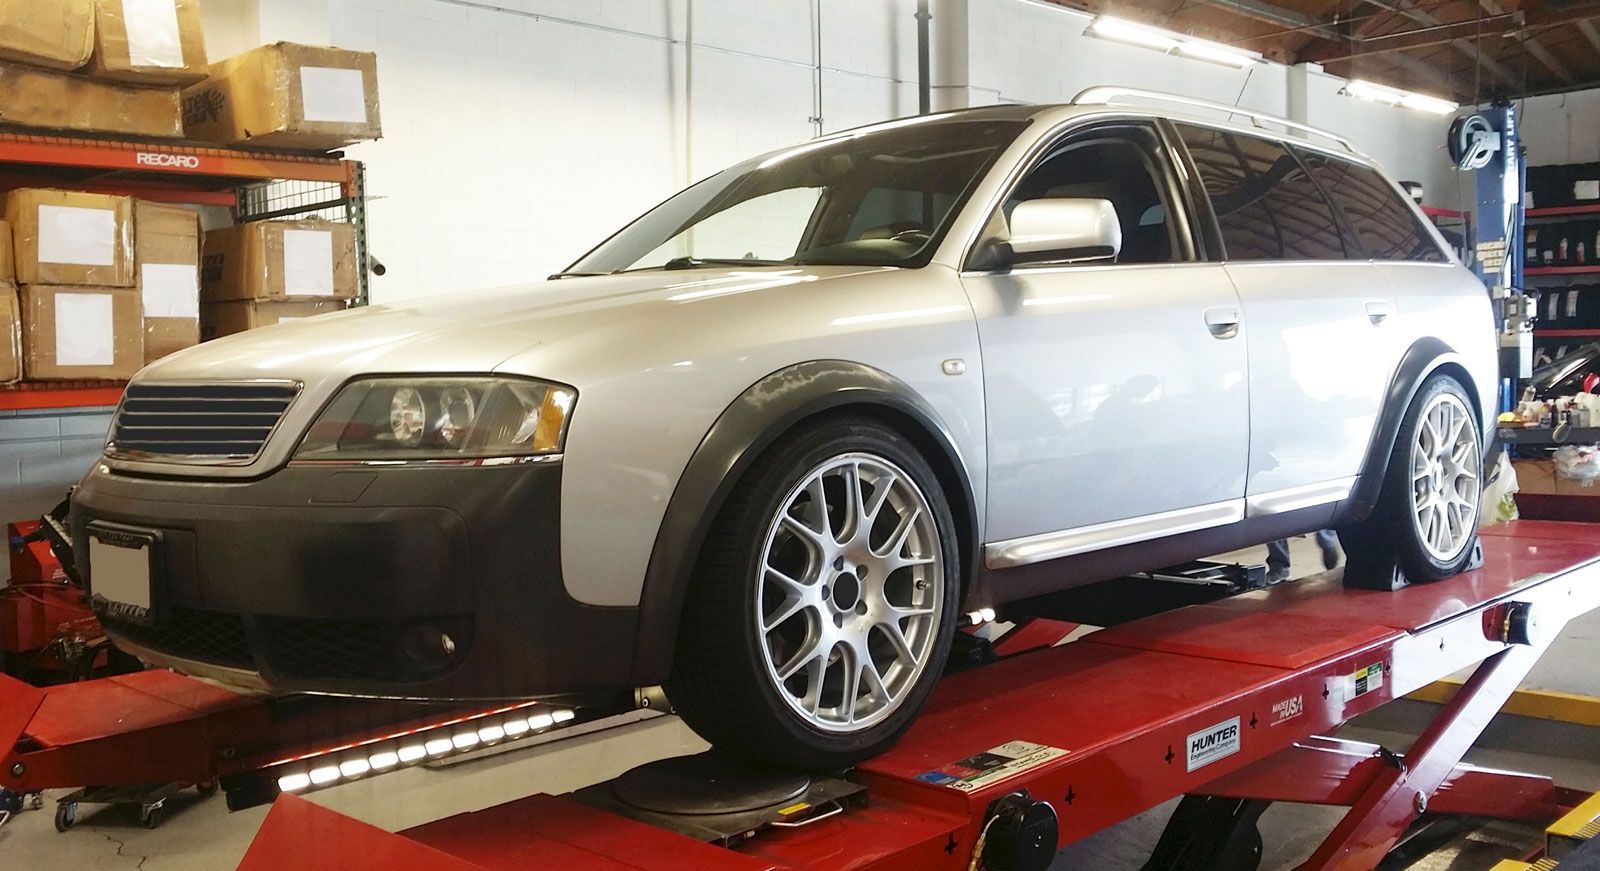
x: 1538, y: 704
x: 793, y: 809
x: 1577, y: 825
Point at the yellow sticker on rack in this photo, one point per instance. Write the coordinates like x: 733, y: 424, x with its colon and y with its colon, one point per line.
x: 793, y: 809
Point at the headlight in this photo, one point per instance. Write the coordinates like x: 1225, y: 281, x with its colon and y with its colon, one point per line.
x: 469, y: 417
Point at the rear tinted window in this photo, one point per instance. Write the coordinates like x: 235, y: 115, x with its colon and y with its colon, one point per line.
x: 1384, y: 223
x: 1267, y: 207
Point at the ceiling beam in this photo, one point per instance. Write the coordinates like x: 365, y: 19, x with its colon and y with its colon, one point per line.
x: 1467, y: 48
x: 1417, y: 37
x: 1261, y: 10
x: 1532, y: 45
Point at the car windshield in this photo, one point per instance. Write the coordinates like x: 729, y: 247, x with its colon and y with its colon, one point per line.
x: 880, y: 196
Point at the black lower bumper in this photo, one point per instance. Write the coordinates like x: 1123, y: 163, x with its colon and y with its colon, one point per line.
x: 331, y: 579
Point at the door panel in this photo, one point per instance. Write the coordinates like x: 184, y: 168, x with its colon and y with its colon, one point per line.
x: 1321, y: 354
x: 1108, y: 395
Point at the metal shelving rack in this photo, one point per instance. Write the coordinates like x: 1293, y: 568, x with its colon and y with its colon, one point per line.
x: 256, y: 184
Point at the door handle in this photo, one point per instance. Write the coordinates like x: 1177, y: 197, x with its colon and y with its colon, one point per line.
x: 1377, y: 311
x: 1223, y: 322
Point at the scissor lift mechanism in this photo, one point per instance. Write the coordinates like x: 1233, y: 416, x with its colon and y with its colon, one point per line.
x: 1227, y: 703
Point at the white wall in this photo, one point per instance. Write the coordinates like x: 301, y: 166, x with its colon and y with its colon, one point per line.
x: 518, y: 133
x: 1562, y: 128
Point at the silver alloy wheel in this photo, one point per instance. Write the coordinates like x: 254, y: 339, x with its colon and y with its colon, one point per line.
x: 852, y: 582
x: 1444, y: 477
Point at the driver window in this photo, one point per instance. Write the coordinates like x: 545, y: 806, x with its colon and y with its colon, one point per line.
x: 1110, y: 165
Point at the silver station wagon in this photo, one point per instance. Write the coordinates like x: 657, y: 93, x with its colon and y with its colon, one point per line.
x: 773, y: 441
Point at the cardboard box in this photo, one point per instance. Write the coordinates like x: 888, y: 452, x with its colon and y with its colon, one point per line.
x: 71, y: 237
x: 288, y: 96
x: 166, y: 251
x: 10, y: 334
x: 80, y: 332
x: 219, y: 319
x: 55, y: 34
x: 8, y: 268
x: 32, y: 97
x: 279, y: 260
x: 1535, y: 477
x: 149, y: 42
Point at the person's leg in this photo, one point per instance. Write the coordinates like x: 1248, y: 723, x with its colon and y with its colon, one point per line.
x: 1278, y: 560
x: 1329, y: 543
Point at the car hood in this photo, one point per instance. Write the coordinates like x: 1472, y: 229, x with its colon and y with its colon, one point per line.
x: 472, y: 331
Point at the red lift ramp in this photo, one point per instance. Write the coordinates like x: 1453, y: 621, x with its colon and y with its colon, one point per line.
x: 1122, y: 720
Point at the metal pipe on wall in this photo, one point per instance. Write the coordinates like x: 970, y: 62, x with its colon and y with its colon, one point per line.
x: 816, y: 67
x: 924, y: 82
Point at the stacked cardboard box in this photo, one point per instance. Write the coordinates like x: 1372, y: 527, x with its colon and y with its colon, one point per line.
x: 167, y: 273
x: 263, y: 272
x: 137, y: 54
x: 10, y: 317
x: 73, y: 256
x: 287, y: 95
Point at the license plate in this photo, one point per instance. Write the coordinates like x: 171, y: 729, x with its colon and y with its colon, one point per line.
x: 119, y: 573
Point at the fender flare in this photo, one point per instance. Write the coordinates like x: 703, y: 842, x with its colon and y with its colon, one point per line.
x: 1425, y: 357
x: 745, y: 429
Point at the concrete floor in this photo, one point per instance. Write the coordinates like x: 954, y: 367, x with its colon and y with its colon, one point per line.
x: 203, y: 835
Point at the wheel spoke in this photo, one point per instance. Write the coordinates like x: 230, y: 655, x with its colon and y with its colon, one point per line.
x: 790, y: 607
x: 902, y: 531
x: 897, y: 640
x: 874, y: 680
x: 801, y: 659
x: 819, y: 506
x: 852, y: 685
x: 812, y: 537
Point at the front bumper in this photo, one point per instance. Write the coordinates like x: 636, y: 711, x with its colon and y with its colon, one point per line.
x: 340, y: 580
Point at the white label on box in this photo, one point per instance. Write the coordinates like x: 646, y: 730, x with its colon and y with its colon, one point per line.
x: 332, y: 94
x: 84, y: 332
x: 72, y: 234
x: 153, y: 39
x: 170, y: 290
x: 307, y: 263
x: 1586, y: 189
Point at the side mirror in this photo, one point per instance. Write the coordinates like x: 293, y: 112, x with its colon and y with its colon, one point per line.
x: 1061, y: 230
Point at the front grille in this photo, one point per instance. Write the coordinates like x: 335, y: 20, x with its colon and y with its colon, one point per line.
x: 356, y: 650
x: 198, y: 423
x: 202, y: 636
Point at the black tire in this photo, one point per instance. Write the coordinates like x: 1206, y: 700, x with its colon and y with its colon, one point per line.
x: 66, y: 815
x: 721, y: 684
x: 1392, y: 528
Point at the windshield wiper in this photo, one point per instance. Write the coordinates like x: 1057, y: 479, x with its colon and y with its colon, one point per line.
x: 694, y: 262
x: 555, y: 275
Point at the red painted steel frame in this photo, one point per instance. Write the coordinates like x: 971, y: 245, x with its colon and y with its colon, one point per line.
x: 160, y: 727
x: 1123, y: 704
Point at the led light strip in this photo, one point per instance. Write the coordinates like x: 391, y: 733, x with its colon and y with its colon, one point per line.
x: 1171, y: 42
x: 458, y: 736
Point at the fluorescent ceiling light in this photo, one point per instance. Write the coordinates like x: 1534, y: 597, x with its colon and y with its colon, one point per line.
x: 1373, y: 92
x: 1121, y: 30
x: 1127, y: 31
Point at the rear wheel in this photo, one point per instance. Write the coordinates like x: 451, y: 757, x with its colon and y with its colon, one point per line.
x: 822, y: 608
x: 1427, y: 513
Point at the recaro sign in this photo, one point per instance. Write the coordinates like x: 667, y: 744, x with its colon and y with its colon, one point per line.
x: 157, y: 158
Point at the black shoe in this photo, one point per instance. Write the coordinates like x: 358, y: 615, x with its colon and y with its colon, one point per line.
x: 1278, y: 575
x: 1330, y: 553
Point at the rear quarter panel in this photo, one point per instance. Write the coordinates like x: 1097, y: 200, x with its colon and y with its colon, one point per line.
x: 1446, y: 301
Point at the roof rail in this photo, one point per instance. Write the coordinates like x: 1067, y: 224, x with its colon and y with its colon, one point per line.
x: 1108, y: 94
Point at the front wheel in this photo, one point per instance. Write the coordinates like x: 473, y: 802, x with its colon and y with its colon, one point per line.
x: 823, y: 606
x: 1427, y: 513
